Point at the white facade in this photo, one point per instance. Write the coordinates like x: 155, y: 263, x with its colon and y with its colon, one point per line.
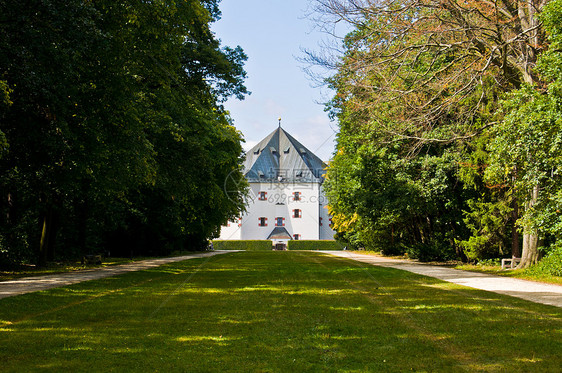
x: 286, y: 197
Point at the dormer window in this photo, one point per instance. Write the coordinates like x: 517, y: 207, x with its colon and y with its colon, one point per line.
x: 261, y: 174
x: 273, y: 150
x: 298, y: 174
x: 257, y: 151
x: 286, y: 151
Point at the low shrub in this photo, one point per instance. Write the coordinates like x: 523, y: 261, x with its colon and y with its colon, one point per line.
x: 248, y: 245
x: 432, y: 251
x: 495, y: 262
x: 314, y: 245
x: 551, y: 264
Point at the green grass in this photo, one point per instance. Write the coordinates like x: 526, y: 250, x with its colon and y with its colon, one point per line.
x: 70, y: 266
x: 57, y: 267
x: 524, y: 274
x: 276, y: 311
x: 492, y: 269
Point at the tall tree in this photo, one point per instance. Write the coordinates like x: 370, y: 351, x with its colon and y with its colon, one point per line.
x: 426, y: 73
x: 527, y: 146
x: 103, y: 95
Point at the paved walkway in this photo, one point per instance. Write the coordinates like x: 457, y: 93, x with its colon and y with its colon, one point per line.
x: 529, y: 290
x: 30, y: 284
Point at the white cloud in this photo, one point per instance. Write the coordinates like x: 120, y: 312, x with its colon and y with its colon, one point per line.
x: 250, y: 144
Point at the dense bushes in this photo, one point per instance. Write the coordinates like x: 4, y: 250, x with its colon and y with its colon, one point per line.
x: 264, y: 245
x: 248, y: 245
x: 439, y: 157
x: 113, y: 137
x: 550, y: 264
x: 314, y: 245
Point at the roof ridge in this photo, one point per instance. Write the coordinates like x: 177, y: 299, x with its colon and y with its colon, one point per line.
x: 267, y: 160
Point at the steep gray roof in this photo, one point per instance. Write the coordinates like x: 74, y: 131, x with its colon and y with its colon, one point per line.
x: 281, y: 155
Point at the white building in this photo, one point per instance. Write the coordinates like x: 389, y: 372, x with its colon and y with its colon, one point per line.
x: 286, y: 198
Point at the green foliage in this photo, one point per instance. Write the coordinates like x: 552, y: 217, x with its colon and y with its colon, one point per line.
x: 314, y: 245
x: 430, y: 161
x: 382, y: 201
x: 488, y: 223
x: 4, y: 105
x: 248, y: 245
x: 527, y: 145
x: 551, y: 264
x: 118, y: 139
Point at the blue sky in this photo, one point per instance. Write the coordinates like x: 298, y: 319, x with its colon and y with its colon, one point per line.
x: 272, y: 33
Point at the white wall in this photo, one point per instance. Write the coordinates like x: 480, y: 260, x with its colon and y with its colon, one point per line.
x: 280, y: 203
x: 326, y: 232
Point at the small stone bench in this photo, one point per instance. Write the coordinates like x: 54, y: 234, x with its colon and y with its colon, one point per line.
x: 91, y: 259
x: 511, y: 262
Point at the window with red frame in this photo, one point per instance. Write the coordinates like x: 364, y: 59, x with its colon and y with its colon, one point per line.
x: 262, y: 222
x: 296, y: 237
x: 279, y: 222
x: 296, y: 196
x: 262, y: 196
x: 297, y: 213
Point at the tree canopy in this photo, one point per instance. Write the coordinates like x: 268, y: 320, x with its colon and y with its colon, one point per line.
x: 112, y: 131
x: 449, y: 126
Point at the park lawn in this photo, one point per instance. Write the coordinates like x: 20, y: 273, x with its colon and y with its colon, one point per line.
x: 523, y: 274
x: 276, y: 311
x: 68, y: 266
x: 491, y: 269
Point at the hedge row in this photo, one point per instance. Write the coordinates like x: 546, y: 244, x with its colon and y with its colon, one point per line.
x: 249, y: 245
x: 314, y: 245
x: 265, y: 245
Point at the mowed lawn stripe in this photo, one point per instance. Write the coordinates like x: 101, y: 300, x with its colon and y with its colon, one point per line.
x: 276, y: 311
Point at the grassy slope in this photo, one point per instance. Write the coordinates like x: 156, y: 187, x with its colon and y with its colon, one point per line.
x: 276, y: 311
x: 63, y: 267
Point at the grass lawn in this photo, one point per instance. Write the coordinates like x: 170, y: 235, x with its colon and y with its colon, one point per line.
x: 70, y: 266
x: 523, y: 274
x: 276, y: 311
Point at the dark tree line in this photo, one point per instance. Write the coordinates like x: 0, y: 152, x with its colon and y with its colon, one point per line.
x: 112, y: 133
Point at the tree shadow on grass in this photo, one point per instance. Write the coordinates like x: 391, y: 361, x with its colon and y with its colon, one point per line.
x: 280, y: 311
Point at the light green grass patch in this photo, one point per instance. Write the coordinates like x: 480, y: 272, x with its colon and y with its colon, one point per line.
x: 276, y: 311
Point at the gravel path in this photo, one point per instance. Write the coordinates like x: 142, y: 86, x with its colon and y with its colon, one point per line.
x: 534, y: 291
x: 30, y: 284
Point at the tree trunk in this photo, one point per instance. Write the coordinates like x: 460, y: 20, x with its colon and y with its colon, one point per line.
x: 46, y: 225
x: 530, y: 253
x: 515, y: 248
x: 49, y: 227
